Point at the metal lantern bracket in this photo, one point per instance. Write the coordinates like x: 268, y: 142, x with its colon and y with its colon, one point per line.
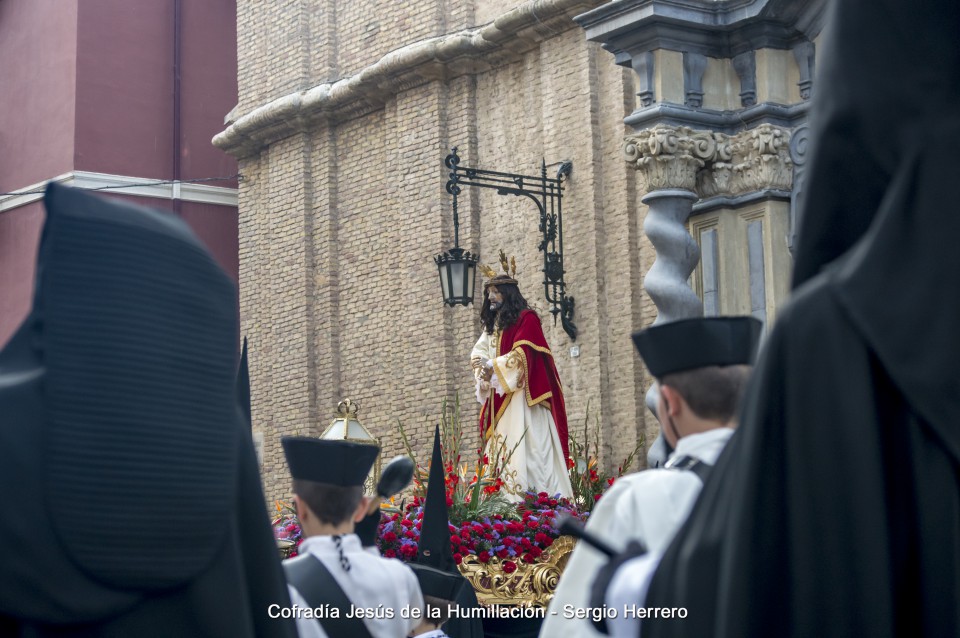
x: 547, y: 194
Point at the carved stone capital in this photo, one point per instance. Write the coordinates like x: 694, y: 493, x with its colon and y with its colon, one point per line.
x: 761, y: 160
x: 669, y: 156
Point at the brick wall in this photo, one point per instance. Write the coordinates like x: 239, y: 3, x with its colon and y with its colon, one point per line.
x: 339, y: 225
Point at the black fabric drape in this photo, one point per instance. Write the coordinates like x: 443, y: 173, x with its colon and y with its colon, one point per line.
x: 835, y: 509
x: 133, y: 504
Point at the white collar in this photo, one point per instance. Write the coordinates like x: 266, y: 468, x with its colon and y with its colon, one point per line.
x: 705, y: 446
x: 325, y: 544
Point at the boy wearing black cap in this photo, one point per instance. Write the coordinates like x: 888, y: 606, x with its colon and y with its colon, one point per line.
x: 702, y: 367
x: 337, y: 587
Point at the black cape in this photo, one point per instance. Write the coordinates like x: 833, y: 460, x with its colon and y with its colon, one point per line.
x: 133, y: 504
x: 835, y: 508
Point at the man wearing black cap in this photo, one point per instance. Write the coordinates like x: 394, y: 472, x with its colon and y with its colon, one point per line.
x: 351, y: 592
x: 701, y: 367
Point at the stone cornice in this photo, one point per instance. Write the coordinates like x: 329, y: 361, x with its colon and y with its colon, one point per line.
x: 729, y: 122
x: 439, y: 58
x: 715, y: 29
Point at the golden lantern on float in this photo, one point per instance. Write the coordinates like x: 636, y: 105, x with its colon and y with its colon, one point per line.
x: 347, y: 427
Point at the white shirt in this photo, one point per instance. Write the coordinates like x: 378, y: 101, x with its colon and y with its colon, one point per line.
x: 648, y: 506
x: 371, y: 581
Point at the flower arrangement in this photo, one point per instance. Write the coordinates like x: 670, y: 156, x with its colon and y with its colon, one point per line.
x: 518, y: 536
x: 486, y: 522
x: 473, y: 491
x: 588, y: 482
x: 286, y: 528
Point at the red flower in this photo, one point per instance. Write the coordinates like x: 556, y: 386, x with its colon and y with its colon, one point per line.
x: 406, y: 522
x: 508, y: 542
x: 533, y: 524
x: 570, y: 463
x: 535, y: 552
x: 503, y: 553
x: 455, y: 540
x: 596, y: 497
x: 610, y: 481
x: 527, y: 558
x: 486, y: 461
x: 509, y: 567
x: 498, y: 527
x: 390, y: 554
x: 525, y: 543
x: 419, y: 525
x: 484, y: 557
x: 449, y: 502
x: 412, y: 535
x: 457, y: 558
x: 389, y: 537
x: 547, y: 542
x: 540, y: 537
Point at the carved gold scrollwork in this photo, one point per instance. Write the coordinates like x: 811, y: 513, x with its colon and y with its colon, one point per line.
x: 531, y: 585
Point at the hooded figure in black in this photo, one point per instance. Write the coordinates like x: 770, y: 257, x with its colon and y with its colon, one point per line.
x: 835, y: 509
x: 132, y: 502
x: 436, y: 554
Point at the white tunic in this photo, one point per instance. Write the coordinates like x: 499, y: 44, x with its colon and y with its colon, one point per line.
x: 648, y: 506
x: 371, y: 581
x: 528, y: 432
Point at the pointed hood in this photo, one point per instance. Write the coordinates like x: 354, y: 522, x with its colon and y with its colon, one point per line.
x: 435, y: 529
x: 243, y: 385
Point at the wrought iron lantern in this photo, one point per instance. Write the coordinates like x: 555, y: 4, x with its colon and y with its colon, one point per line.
x: 458, y: 270
x: 458, y: 267
x: 346, y: 427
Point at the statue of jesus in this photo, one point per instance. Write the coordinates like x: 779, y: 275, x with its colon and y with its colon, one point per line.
x: 518, y: 385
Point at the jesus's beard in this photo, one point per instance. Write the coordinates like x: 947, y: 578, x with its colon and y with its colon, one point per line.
x: 494, y: 306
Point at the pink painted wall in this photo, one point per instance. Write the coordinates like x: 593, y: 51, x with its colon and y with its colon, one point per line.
x: 125, y: 88
x: 208, y: 86
x: 91, y: 89
x: 38, y: 50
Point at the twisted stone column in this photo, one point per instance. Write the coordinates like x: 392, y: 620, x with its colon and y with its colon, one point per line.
x: 678, y: 166
x: 669, y: 159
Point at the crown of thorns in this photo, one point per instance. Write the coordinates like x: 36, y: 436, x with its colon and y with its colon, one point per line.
x: 508, y: 276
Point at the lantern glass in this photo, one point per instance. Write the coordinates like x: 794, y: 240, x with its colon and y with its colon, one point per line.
x: 470, y: 278
x: 457, y: 279
x: 457, y: 269
x: 445, y: 282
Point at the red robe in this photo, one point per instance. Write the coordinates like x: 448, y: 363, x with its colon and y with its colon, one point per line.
x: 541, y: 384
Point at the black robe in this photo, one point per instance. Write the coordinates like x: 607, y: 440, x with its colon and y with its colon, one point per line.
x: 835, y: 508
x: 132, y: 500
